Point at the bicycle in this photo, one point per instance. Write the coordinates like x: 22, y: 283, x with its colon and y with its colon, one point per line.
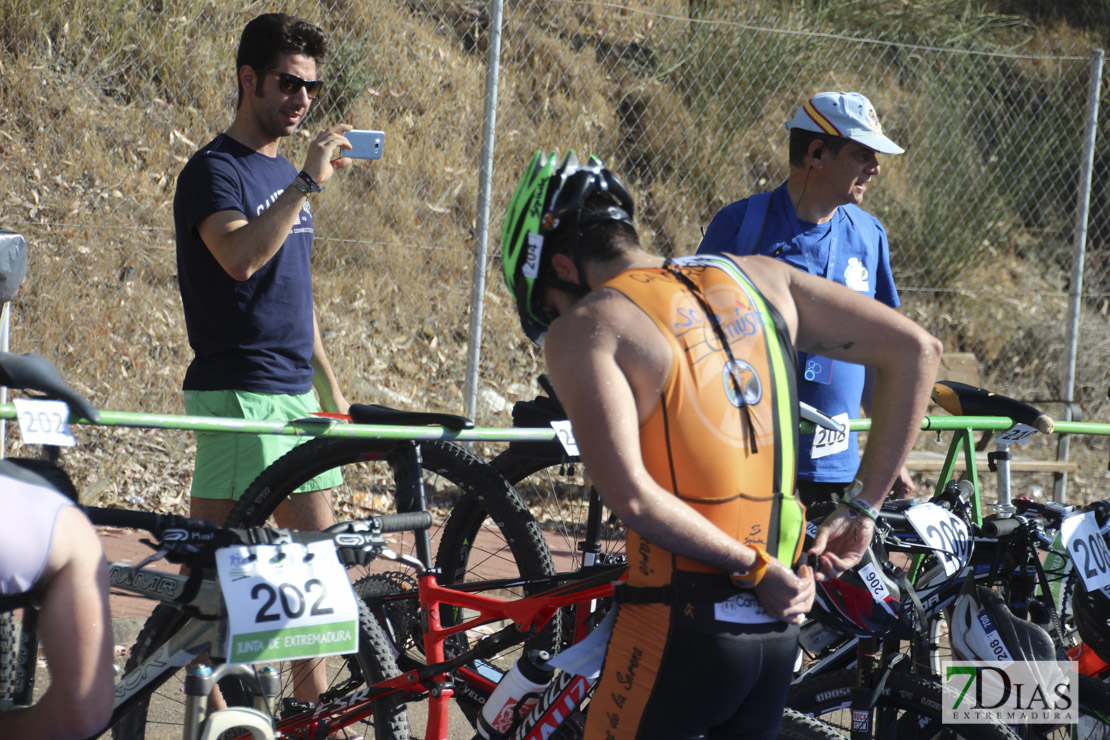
x: 523, y: 463
x: 845, y: 684
x: 190, y: 542
x: 444, y: 672
x: 37, y: 374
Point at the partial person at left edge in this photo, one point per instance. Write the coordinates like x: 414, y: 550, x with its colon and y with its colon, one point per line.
x: 244, y: 232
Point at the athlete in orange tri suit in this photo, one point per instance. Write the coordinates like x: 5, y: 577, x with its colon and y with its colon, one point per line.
x: 678, y: 379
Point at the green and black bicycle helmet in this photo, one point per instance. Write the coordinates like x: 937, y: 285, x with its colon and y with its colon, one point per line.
x: 548, y: 198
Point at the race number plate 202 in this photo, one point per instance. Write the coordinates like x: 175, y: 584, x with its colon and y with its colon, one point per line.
x: 44, y: 422
x: 286, y: 602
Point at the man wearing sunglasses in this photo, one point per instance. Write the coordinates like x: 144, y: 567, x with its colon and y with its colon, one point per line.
x: 244, y: 232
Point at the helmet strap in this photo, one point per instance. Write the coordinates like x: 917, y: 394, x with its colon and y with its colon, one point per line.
x: 558, y: 283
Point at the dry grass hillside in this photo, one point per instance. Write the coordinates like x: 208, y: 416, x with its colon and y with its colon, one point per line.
x: 112, y: 100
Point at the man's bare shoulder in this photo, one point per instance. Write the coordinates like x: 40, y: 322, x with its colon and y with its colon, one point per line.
x: 770, y: 276
x: 593, y: 314
x: 603, y: 319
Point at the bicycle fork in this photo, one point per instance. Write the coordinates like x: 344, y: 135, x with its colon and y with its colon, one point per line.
x: 872, y: 671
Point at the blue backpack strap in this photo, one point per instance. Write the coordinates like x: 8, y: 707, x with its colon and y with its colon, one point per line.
x: 751, y: 227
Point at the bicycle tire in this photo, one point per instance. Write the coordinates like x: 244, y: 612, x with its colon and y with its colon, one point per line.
x: 554, y: 486
x: 1094, y: 712
x: 538, y: 483
x: 912, y: 702
x: 516, y: 536
x: 7, y: 655
x: 373, y: 662
x: 798, y: 726
x: 441, y: 461
x: 512, y: 548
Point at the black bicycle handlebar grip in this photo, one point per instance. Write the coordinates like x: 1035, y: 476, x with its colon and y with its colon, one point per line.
x: 413, y: 521
x: 999, y: 528
x: 145, y: 520
x: 36, y: 373
x: 961, y: 399
x: 149, y: 521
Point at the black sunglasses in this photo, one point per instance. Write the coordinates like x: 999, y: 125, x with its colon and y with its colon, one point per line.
x: 291, y: 84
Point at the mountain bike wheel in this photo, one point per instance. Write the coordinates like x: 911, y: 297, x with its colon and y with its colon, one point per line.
x: 556, y: 489
x: 454, y: 478
x: 907, y: 708
x: 1094, y: 715
x: 798, y: 726
x: 512, y: 548
x: 161, y: 713
x: 503, y: 545
x: 546, y: 487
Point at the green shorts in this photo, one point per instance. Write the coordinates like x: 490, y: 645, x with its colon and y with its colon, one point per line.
x: 227, y: 463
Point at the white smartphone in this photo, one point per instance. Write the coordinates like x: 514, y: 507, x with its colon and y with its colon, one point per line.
x: 364, y: 144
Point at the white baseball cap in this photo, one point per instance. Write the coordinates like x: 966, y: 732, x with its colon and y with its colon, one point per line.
x: 848, y: 115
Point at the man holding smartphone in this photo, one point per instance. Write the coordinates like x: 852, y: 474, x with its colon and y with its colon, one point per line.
x: 244, y: 233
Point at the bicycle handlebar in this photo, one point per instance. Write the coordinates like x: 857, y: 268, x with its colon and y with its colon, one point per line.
x: 34, y: 372
x: 961, y: 399
x: 193, y: 541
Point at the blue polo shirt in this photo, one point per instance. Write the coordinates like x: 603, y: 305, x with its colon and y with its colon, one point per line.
x: 851, y: 249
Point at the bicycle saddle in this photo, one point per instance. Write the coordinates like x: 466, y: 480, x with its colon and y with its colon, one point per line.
x: 984, y: 628
x: 34, y: 372
x: 961, y: 399
x: 372, y: 413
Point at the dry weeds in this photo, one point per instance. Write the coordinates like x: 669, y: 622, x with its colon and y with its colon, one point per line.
x: 96, y: 157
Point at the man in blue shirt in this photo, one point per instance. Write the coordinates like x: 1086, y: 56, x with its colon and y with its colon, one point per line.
x: 244, y: 238
x: 244, y: 233
x: 814, y: 222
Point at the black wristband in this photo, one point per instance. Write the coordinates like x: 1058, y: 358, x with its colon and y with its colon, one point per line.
x: 312, y: 186
x: 302, y: 186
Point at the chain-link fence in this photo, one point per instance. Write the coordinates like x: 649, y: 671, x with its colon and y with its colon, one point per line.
x: 686, y: 100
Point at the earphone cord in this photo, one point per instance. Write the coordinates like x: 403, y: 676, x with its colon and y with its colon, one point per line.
x: 745, y: 410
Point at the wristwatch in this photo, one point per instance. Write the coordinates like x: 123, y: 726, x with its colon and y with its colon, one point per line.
x: 753, y: 575
x: 304, y: 183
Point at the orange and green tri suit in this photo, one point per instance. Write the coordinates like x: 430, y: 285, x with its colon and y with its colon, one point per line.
x: 723, y: 438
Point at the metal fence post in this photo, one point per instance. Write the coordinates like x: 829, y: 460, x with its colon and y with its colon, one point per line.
x: 1082, y: 212
x: 478, y: 279
x: 5, y: 346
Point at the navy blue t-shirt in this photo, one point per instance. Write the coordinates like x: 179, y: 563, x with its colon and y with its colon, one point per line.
x: 255, y: 335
